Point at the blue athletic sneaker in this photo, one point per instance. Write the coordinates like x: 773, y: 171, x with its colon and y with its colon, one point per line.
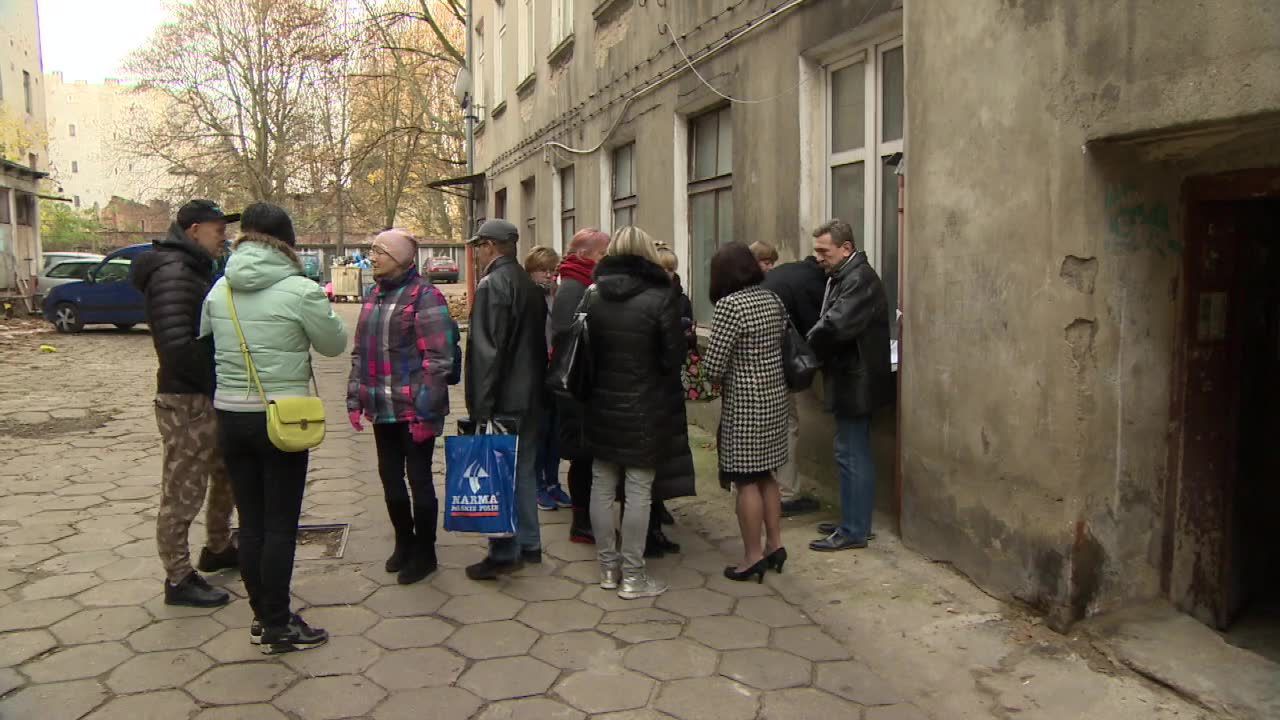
x: 560, y: 497
x: 545, y: 501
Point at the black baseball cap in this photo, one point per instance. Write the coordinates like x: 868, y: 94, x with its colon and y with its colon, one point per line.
x: 496, y: 230
x: 198, y: 211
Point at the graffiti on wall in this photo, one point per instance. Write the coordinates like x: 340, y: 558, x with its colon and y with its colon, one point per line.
x: 1136, y: 223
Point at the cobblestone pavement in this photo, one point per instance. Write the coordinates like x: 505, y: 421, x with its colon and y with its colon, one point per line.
x: 86, y: 633
x: 877, y: 635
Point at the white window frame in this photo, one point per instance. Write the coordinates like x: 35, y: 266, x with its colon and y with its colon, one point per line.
x: 873, y: 151
x: 559, y: 241
x: 499, y: 77
x: 527, y: 40
x: 561, y: 21
x: 630, y: 202
x: 480, y: 103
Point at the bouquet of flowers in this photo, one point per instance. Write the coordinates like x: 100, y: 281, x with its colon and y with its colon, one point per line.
x: 693, y: 376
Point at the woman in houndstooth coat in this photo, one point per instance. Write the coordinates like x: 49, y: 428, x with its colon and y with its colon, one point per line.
x: 745, y: 357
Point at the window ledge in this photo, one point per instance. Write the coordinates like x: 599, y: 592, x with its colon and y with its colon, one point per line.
x: 498, y: 109
x: 478, y: 129
x: 526, y: 85
x: 562, y: 52
x: 606, y: 10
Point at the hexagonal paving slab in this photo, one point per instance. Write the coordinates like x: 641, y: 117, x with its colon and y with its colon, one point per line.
x: 728, y: 633
x: 28, y: 614
x: 804, y: 704
x: 330, y: 698
x: 400, y: 633
x: 99, y: 625
x: 672, y: 659
x: 241, y: 683
x: 481, y: 608
x: 596, y: 691
x: 231, y: 645
x: 530, y: 709
x: 257, y: 711
x: 809, y: 642
x: 766, y: 669
x: 698, y: 602
x: 855, y: 681
x: 508, y: 678
x: 74, y: 663
x: 158, y: 671
x: 492, y: 640
x: 340, y: 619
x: 556, y: 616
x: 18, y: 647
x: 416, y: 668
x: 895, y: 712
x: 713, y: 698
x: 771, y: 611
x: 534, y: 589
x: 120, y: 592
x: 577, y: 650
x: 59, y: 586
x: 175, y: 634
x: 54, y: 701
x: 405, y: 600
x: 343, y: 587
x: 342, y: 655
x: 446, y: 703
x: 164, y: 705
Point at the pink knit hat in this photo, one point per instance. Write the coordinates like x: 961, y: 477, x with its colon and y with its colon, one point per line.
x: 399, y: 244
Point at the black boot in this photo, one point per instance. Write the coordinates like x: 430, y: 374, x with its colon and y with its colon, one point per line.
x: 214, y: 561
x: 404, y: 545
x: 421, y: 563
x: 659, y: 539
x: 193, y: 591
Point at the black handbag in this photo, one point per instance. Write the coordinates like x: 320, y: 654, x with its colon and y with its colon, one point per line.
x: 571, y: 372
x: 799, y: 362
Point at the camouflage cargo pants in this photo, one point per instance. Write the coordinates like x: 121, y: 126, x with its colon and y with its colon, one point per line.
x: 192, y: 465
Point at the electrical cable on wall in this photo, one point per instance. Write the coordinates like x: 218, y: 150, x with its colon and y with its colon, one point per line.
x: 665, y: 29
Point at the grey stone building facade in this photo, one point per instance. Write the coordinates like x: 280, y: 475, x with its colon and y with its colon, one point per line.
x: 1086, y: 343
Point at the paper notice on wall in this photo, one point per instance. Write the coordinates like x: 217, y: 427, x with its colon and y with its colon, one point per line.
x: 893, y: 354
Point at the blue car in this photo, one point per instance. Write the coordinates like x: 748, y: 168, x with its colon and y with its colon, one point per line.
x: 105, y: 297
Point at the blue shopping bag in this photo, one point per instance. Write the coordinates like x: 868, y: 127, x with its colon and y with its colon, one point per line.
x: 480, y: 484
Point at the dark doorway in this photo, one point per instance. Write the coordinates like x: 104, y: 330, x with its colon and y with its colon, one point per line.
x: 1222, y: 566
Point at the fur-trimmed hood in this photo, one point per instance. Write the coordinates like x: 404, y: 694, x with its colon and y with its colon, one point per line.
x: 619, y: 277
x: 259, y: 261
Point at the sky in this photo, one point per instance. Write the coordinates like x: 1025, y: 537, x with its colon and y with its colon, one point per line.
x: 90, y: 39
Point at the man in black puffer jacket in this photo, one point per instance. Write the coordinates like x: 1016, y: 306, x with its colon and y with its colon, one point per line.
x: 634, y: 426
x: 174, y: 277
x: 506, y: 363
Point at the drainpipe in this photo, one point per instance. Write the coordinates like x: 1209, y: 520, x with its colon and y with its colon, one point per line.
x: 470, y: 266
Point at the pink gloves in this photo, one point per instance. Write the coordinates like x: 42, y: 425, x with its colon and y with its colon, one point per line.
x: 354, y: 417
x: 421, y: 431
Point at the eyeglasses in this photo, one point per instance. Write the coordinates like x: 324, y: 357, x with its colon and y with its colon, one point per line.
x: 378, y: 250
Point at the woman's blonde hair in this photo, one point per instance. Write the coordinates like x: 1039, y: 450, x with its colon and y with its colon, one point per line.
x: 541, y: 258
x: 667, y: 258
x: 631, y: 240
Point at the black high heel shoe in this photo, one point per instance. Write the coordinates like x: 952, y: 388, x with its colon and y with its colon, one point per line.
x: 756, y: 571
x: 777, y: 559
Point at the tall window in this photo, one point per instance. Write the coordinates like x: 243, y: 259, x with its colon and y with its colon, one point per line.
x: 481, y: 99
x: 4, y: 206
x: 499, y: 77
x: 561, y: 20
x: 75, y: 166
x: 24, y: 208
x: 568, y: 206
x: 864, y: 129
x: 624, y: 186
x: 500, y: 204
x: 32, y: 158
x: 26, y: 89
x: 526, y: 39
x: 529, y: 206
x: 77, y: 201
x: 71, y: 129
x: 710, y: 198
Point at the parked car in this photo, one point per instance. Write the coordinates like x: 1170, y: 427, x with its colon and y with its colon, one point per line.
x: 50, y: 259
x: 63, y: 272
x: 104, y: 297
x: 441, y: 269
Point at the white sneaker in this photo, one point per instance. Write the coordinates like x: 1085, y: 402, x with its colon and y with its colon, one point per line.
x: 641, y: 587
x: 609, y: 577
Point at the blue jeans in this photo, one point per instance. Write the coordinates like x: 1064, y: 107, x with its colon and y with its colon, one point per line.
x: 528, y: 534
x: 549, y: 452
x: 857, y: 476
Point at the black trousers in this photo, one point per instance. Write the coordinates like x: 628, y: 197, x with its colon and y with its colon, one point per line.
x: 268, y: 484
x: 580, y: 492
x: 414, y: 520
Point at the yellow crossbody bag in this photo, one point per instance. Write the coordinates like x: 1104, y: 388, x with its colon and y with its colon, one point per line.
x: 294, y: 424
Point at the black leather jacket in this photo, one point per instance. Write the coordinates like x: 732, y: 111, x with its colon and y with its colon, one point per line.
x: 852, y: 339
x: 174, y: 276
x: 506, y: 344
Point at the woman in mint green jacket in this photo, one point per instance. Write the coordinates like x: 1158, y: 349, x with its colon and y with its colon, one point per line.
x: 283, y: 315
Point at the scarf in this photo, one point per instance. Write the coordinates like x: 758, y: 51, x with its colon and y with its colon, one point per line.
x: 576, y: 267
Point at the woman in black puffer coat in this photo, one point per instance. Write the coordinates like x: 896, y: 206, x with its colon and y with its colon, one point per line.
x: 637, y: 346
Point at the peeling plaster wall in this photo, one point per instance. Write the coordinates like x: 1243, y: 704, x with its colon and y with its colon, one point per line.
x: 1043, y: 278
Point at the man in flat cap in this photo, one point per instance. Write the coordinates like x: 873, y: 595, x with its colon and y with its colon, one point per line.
x: 505, y: 365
